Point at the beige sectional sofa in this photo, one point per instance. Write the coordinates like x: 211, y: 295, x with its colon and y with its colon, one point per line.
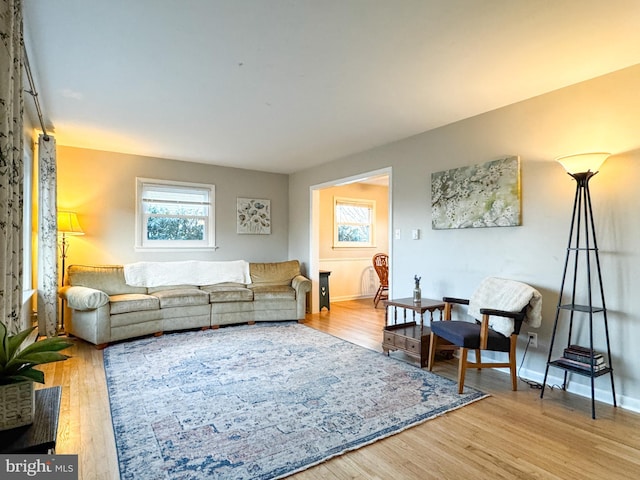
x: 103, y: 308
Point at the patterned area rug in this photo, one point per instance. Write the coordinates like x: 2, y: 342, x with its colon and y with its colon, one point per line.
x: 259, y: 402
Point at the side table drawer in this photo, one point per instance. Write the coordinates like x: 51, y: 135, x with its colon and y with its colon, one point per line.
x: 412, y: 346
x: 389, y: 338
x: 400, y: 342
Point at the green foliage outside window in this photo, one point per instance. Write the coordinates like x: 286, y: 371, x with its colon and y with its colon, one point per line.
x: 353, y: 222
x: 350, y: 233
x: 165, y: 225
x: 166, y: 228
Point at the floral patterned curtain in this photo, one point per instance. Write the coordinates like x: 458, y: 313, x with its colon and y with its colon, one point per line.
x: 11, y: 163
x: 47, y: 238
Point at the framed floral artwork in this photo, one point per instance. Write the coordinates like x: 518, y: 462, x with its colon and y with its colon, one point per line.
x: 253, y: 216
x: 485, y: 195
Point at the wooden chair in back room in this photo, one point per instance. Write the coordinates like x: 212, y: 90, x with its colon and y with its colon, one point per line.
x: 381, y: 266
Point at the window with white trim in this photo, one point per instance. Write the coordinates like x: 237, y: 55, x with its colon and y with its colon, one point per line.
x: 174, y: 215
x: 354, y: 222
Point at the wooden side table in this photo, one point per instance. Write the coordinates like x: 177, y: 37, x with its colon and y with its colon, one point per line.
x: 409, y: 336
x: 40, y: 436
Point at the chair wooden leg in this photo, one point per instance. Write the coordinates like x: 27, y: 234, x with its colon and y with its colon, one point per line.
x: 512, y: 363
x: 376, y: 297
x: 462, y: 369
x: 433, y: 341
x: 478, y: 357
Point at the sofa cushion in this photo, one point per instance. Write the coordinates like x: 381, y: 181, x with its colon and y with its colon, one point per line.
x: 228, y: 292
x: 273, y: 292
x: 182, y: 297
x: 230, y: 307
x: 108, y: 278
x: 152, y: 290
x: 279, y: 273
x: 133, y: 302
x: 152, y: 319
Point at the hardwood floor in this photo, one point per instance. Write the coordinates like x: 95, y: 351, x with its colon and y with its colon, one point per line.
x: 508, y: 435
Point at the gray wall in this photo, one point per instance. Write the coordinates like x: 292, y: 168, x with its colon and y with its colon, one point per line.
x: 100, y: 187
x: 598, y: 115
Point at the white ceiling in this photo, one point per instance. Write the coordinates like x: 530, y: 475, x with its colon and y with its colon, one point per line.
x: 283, y: 85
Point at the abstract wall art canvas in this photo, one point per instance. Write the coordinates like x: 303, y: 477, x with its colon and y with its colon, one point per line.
x: 254, y: 216
x: 485, y: 195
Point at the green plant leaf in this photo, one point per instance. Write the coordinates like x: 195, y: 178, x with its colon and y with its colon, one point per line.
x: 37, y: 358
x: 16, y: 365
x: 53, y: 344
x: 30, y: 374
x: 33, y: 374
x: 15, y: 341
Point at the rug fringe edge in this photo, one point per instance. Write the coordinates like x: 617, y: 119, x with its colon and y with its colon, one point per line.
x: 390, y: 434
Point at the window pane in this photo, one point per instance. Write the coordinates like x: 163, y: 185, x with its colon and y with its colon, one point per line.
x: 351, y: 233
x: 174, y: 215
x: 354, y: 222
x: 353, y: 214
x: 172, y: 228
x: 176, y: 209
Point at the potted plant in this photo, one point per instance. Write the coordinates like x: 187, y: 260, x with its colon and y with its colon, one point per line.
x: 17, y: 399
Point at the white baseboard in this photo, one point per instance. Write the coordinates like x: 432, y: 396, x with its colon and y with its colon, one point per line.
x: 602, y: 395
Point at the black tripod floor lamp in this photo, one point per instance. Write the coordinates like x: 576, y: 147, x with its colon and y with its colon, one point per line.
x: 584, y: 302
x: 68, y: 225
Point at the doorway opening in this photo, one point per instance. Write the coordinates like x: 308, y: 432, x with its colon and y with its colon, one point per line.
x: 352, y: 275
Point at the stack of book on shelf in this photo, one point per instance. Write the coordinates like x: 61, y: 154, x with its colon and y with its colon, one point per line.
x: 581, y: 358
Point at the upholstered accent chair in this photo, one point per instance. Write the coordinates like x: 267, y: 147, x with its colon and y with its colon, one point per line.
x: 507, y: 304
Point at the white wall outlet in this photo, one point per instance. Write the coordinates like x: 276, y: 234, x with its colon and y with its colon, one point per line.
x: 533, y: 339
x: 397, y: 234
x: 415, y: 234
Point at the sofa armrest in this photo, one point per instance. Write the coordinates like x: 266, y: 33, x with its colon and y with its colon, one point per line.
x: 301, y: 284
x: 83, y: 298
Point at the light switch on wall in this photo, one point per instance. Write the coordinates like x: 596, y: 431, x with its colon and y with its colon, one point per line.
x: 415, y: 234
x: 397, y: 234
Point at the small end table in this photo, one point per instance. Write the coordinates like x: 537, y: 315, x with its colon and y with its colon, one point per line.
x: 40, y: 436
x: 409, y: 336
x: 324, y: 290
